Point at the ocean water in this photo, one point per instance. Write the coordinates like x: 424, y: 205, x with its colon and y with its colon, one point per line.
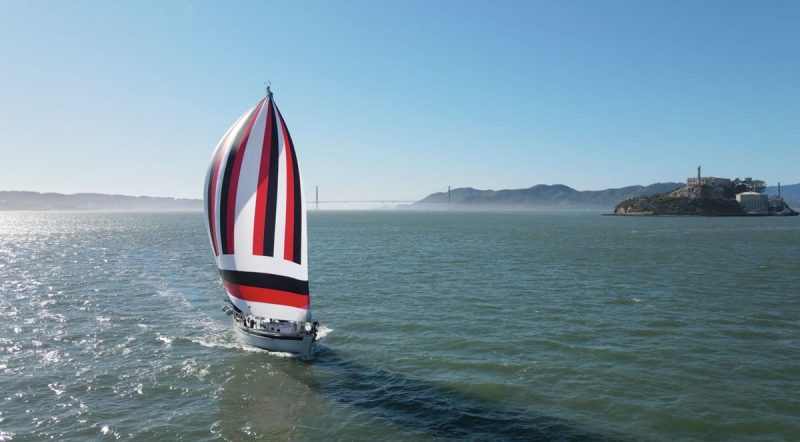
x: 440, y: 326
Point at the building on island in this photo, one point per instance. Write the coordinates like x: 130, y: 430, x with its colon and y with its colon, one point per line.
x: 778, y: 206
x: 754, y: 185
x: 707, y: 181
x: 753, y: 202
x: 776, y: 200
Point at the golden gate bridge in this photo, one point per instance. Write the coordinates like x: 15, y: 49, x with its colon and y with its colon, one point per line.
x: 347, y: 199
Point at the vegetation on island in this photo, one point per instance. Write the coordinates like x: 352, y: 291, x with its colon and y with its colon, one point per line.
x: 672, y: 204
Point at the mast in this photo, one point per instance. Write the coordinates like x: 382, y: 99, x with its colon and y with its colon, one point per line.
x: 316, y: 202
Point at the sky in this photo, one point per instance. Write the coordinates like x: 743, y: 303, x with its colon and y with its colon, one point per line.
x: 399, y: 99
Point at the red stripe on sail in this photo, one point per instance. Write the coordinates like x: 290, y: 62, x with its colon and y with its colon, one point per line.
x: 261, y: 192
x: 230, y: 211
x: 288, y: 242
x: 267, y: 296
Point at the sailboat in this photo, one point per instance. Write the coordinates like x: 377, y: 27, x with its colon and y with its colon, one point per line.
x: 256, y: 219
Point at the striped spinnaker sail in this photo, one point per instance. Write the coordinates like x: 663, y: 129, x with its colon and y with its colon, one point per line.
x: 256, y: 218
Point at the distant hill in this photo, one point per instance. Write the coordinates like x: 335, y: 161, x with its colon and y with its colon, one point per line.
x: 790, y: 194
x: 14, y: 200
x: 541, y: 196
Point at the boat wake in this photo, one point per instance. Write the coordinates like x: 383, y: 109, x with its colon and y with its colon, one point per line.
x: 323, y: 331
x: 221, y: 336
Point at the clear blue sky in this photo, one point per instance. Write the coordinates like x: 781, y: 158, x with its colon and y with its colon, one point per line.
x: 398, y: 99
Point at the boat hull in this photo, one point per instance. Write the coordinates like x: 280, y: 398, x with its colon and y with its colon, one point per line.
x: 294, y: 343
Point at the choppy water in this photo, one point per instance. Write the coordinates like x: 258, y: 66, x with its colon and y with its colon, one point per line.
x: 536, y: 326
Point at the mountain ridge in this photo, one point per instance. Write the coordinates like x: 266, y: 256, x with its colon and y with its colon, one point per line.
x: 539, y: 196
x: 560, y: 196
x: 27, y: 200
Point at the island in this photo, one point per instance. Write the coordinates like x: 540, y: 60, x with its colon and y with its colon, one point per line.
x: 709, y: 196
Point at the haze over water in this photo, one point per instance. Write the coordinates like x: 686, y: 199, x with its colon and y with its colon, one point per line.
x: 484, y: 326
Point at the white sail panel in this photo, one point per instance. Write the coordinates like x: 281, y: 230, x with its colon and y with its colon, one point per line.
x: 223, y: 160
x: 211, y: 196
x: 248, y: 180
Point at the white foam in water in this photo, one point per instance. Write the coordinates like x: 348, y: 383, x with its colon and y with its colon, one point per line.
x: 51, y: 357
x: 323, y: 331
x: 167, y: 340
x: 280, y: 354
x: 192, y: 368
x: 224, y: 339
x: 230, y: 343
x: 214, y: 429
x: 55, y: 389
x: 219, y: 336
x: 247, y: 429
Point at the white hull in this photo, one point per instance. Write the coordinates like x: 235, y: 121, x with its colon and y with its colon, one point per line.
x: 282, y: 342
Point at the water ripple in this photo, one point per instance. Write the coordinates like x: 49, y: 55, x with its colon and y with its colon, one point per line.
x: 448, y: 326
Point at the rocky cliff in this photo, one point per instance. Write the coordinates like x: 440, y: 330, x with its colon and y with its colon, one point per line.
x: 680, y: 202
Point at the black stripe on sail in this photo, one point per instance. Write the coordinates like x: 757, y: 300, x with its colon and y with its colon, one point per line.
x: 226, y: 182
x: 213, y: 185
x: 298, y: 213
x: 266, y: 281
x: 272, y: 189
x: 210, y: 203
x: 298, y: 204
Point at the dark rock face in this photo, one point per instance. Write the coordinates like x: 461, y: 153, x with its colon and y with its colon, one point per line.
x: 779, y: 207
x: 669, y: 204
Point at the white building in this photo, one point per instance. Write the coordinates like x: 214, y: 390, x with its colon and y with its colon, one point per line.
x: 708, y: 181
x: 753, y: 202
